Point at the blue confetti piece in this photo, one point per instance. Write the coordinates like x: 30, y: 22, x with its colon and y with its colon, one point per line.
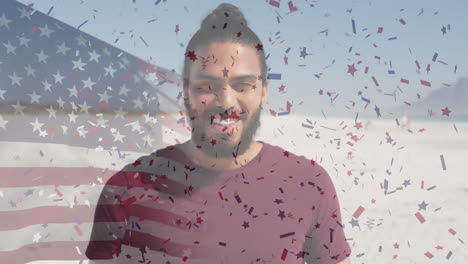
x: 238, y: 199
x: 308, y: 121
x: 222, y: 244
x: 432, y: 187
x: 307, y: 126
x: 391, y: 72
x: 365, y: 99
x: 449, y: 255
x: 274, y: 76
x: 283, y: 113
x: 27, y: 171
x: 50, y: 10
x: 266, y: 58
x: 287, y: 51
x: 277, y: 33
x: 287, y: 234
x: 157, y: 2
x: 434, y: 58
x: 442, y: 160
x: 392, y: 38
x: 397, y: 122
x: 86, y: 21
x: 350, y: 49
x: 77, y: 220
x: 354, y: 26
x: 385, y: 184
x: 180, y: 120
x: 170, y: 198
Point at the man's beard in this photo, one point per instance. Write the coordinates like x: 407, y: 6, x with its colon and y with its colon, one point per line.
x: 225, y: 147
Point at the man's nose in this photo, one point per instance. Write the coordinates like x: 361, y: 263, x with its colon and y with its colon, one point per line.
x: 227, y: 97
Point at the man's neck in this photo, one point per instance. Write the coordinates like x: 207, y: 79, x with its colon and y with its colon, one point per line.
x: 201, y: 159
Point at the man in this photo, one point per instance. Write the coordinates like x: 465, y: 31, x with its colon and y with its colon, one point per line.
x: 221, y: 197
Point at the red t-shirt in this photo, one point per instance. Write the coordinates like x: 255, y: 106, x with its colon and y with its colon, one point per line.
x: 278, y: 208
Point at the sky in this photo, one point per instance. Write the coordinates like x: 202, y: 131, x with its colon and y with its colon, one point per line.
x: 320, y: 81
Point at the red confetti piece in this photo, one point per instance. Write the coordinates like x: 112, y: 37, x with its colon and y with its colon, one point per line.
x: 402, y: 21
x: 425, y: 83
x: 451, y: 231
x: 78, y: 230
x: 358, y: 212
x: 285, y: 253
x: 404, y: 81
x: 375, y: 81
x: 429, y: 255
x: 420, y: 217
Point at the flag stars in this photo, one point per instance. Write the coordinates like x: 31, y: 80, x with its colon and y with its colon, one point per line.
x: 45, y: 31
x: 58, y: 77
x: 109, y: 70
x: 72, y: 117
x: 34, y: 97
x: 3, y: 122
x: 78, y: 64
x: 4, y: 21
x: 30, y: 71
x: 73, y: 91
x: 18, y: 108
x: 118, y: 137
x: 80, y: 41
x: 15, y: 79
x: 52, y: 112
x: 245, y: 225
x: 94, y: 56
x: 84, y: 107
x: 42, y: 57
x: 36, y: 125
x: 25, y: 13
x: 10, y: 48
x: 88, y: 83
x: 23, y: 41
x: 62, y: 48
x: 104, y: 97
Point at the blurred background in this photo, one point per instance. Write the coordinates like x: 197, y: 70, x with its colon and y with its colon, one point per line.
x: 375, y: 91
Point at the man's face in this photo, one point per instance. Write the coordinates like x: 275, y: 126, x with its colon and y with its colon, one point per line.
x: 224, y: 96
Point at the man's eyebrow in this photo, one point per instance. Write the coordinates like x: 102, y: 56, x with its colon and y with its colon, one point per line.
x: 235, y: 78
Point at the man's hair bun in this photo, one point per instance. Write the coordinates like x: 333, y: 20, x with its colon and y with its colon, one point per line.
x: 224, y: 13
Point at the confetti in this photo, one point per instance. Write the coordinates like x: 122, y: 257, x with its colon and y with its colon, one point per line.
x: 86, y: 21
x: 358, y: 212
x: 420, y: 217
x: 354, y: 26
x: 274, y: 76
x: 442, y: 160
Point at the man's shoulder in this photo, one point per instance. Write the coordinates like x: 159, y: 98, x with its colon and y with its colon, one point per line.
x: 148, y: 163
x: 309, y: 169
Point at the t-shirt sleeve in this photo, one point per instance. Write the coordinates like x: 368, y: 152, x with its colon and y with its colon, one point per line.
x: 325, y: 242
x: 109, y: 224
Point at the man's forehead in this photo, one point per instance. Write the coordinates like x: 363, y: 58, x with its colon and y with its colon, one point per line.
x: 219, y: 77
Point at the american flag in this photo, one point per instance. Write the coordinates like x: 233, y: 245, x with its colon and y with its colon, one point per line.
x: 73, y: 111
